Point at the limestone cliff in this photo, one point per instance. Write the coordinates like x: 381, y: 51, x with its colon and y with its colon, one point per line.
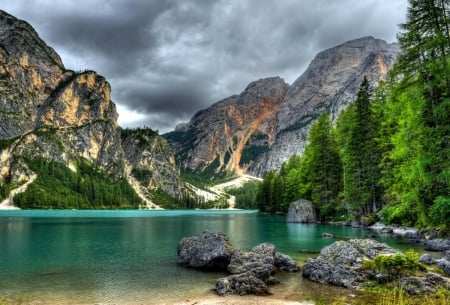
x: 47, y: 111
x: 260, y: 129
x: 228, y: 135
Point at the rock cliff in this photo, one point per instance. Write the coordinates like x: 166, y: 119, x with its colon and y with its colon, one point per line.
x: 230, y: 134
x: 262, y: 127
x: 47, y: 111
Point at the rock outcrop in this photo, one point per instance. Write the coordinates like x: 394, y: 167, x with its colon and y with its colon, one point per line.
x: 301, y: 211
x: 50, y: 112
x: 343, y: 263
x: 250, y: 271
x: 340, y: 263
x: 262, y: 127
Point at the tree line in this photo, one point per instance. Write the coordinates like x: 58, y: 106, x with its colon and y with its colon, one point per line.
x: 388, y: 155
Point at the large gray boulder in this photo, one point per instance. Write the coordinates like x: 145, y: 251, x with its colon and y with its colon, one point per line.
x: 340, y: 263
x: 302, y: 211
x: 207, y: 250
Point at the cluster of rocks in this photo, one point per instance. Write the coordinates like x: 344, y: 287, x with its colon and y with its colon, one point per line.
x: 250, y: 272
x: 432, y: 239
x: 442, y: 263
x: 341, y: 264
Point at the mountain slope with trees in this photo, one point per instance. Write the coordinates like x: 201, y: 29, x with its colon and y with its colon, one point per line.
x: 394, y: 140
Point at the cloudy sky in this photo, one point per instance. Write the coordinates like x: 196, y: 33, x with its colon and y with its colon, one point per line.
x: 167, y: 59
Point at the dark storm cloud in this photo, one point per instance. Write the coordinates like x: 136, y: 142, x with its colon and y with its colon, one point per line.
x: 169, y: 59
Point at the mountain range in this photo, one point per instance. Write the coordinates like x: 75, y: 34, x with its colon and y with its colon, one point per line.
x: 52, y: 113
x: 259, y: 129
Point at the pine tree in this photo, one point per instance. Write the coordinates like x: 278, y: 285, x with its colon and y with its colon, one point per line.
x: 358, y: 130
x: 321, y: 169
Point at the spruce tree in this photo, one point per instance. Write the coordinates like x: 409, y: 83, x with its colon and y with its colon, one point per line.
x: 321, y: 168
x: 358, y: 130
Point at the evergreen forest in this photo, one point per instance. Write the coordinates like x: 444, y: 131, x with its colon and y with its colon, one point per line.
x: 388, y: 154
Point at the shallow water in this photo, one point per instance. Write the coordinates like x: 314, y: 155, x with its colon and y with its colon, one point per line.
x: 117, y: 257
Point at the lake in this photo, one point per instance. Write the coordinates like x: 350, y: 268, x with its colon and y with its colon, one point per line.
x: 117, y: 257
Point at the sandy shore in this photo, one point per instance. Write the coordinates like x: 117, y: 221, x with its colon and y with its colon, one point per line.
x: 238, y: 300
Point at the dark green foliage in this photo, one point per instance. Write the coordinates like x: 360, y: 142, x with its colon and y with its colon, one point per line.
x: 166, y: 201
x: 440, y: 212
x: 5, y: 143
x: 142, y: 175
x: 245, y: 195
x: 321, y: 169
x: 57, y: 187
x: 142, y: 134
x: 416, y: 163
x: 399, y: 264
x: 208, y: 176
x: 358, y: 128
x: 251, y: 152
x: 270, y: 194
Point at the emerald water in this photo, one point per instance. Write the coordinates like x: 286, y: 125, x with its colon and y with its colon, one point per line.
x: 117, y: 257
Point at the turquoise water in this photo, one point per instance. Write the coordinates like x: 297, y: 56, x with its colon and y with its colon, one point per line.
x: 117, y: 257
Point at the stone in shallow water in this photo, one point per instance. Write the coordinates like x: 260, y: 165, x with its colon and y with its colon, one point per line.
x: 301, y: 211
x: 207, y: 251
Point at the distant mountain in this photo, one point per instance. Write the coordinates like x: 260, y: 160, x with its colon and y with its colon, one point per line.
x: 58, y: 115
x: 258, y: 130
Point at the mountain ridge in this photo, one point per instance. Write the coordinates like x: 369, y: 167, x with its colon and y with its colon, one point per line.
x: 328, y: 84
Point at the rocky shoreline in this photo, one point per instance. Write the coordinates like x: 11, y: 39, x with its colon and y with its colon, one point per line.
x: 250, y: 272
x: 353, y: 264
x: 432, y: 239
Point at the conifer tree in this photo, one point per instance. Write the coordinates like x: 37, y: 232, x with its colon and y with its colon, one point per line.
x: 321, y: 168
x: 358, y: 130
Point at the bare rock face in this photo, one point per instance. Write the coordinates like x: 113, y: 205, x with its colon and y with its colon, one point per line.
x: 301, y: 211
x: 227, y: 135
x: 152, y: 161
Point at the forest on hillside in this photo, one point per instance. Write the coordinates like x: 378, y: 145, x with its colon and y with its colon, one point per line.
x: 388, y: 154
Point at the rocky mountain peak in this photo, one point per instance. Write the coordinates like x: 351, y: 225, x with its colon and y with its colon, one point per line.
x: 269, y: 121
x: 217, y: 136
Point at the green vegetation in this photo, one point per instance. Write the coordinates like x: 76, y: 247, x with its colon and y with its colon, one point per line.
x: 142, y: 134
x: 245, y: 195
x: 316, y: 176
x: 399, y: 264
x: 251, y: 152
x: 57, y: 187
x: 393, y: 142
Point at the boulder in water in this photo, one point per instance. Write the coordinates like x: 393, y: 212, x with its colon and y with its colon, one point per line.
x: 207, y: 250
x: 301, y: 211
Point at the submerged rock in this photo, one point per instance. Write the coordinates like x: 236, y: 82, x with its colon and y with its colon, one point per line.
x: 301, y: 211
x: 206, y: 250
